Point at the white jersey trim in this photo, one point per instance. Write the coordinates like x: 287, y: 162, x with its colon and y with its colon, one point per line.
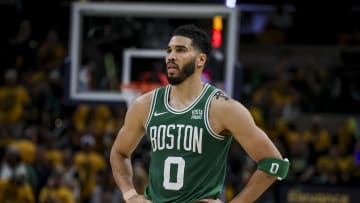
x: 206, y: 119
x: 152, y: 107
x: 186, y: 109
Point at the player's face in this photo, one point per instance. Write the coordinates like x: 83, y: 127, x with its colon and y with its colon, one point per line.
x: 187, y: 70
x: 180, y: 59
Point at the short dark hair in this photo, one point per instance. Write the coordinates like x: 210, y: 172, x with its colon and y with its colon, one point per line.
x: 200, y: 39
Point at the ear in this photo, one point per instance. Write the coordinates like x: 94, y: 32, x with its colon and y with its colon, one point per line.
x: 201, y: 60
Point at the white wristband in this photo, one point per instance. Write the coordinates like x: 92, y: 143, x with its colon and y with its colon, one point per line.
x: 129, y: 194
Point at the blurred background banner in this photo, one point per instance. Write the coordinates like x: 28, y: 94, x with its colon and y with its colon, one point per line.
x: 302, y: 193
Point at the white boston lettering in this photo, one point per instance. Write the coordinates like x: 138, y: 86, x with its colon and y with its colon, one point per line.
x: 152, y: 135
x: 170, y: 135
x: 189, y: 138
x: 180, y: 127
x: 161, y: 137
x: 197, y: 140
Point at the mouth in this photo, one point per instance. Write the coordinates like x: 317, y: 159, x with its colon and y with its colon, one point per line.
x: 172, y: 67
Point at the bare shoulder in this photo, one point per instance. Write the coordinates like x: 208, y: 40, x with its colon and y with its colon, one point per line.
x: 226, y: 113
x: 140, y: 108
x: 143, y: 101
x: 222, y: 103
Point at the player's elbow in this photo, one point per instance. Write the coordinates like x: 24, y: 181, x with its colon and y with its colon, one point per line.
x: 116, y: 156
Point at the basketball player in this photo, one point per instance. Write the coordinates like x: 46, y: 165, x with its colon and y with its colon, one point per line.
x: 190, y: 125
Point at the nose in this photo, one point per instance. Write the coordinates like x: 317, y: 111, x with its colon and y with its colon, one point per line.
x: 170, y: 56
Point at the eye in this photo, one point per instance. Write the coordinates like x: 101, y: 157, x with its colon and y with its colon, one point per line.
x: 181, y: 50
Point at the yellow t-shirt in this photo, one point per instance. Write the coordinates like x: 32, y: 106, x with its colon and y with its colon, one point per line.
x: 12, y: 193
x: 61, y: 194
x: 54, y: 157
x: 321, y: 141
x: 80, y: 117
x: 26, y: 149
x: 88, y: 165
x: 12, y: 103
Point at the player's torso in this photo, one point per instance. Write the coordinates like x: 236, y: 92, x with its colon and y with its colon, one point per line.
x: 188, y: 158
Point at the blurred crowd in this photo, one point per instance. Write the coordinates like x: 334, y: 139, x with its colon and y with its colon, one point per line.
x: 51, y: 151
x: 323, y: 149
x: 55, y: 151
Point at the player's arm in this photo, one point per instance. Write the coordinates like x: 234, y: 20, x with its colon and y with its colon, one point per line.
x: 126, y: 141
x: 234, y: 117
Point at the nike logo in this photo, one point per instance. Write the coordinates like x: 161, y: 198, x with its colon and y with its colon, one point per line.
x: 159, y: 114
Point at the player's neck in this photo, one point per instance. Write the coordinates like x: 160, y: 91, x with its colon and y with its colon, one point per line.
x: 185, y: 93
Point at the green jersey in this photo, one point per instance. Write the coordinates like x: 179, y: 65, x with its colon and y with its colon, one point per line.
x: 188, y: 159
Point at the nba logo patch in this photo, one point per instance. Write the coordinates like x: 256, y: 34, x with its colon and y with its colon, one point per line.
x: 197, y: 114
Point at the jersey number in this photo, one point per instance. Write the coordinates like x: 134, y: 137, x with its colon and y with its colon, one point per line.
x: 274, y: 168
x: 173, y: 161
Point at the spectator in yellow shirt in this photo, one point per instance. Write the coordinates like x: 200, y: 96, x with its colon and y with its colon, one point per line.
x: 13, y: 100
x: 27, y: 144
x: 16, y: 190
x: 318, y: 137
x: 89, y: 162
x: 54, y: 191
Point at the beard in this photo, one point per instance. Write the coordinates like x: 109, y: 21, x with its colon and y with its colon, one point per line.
x: 187, y: 70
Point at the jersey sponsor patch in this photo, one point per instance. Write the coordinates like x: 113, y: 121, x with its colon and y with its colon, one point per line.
x: 197, y: 114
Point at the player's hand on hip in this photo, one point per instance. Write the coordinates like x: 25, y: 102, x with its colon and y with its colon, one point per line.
x: 210, y: 201
x: 138, y: 199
